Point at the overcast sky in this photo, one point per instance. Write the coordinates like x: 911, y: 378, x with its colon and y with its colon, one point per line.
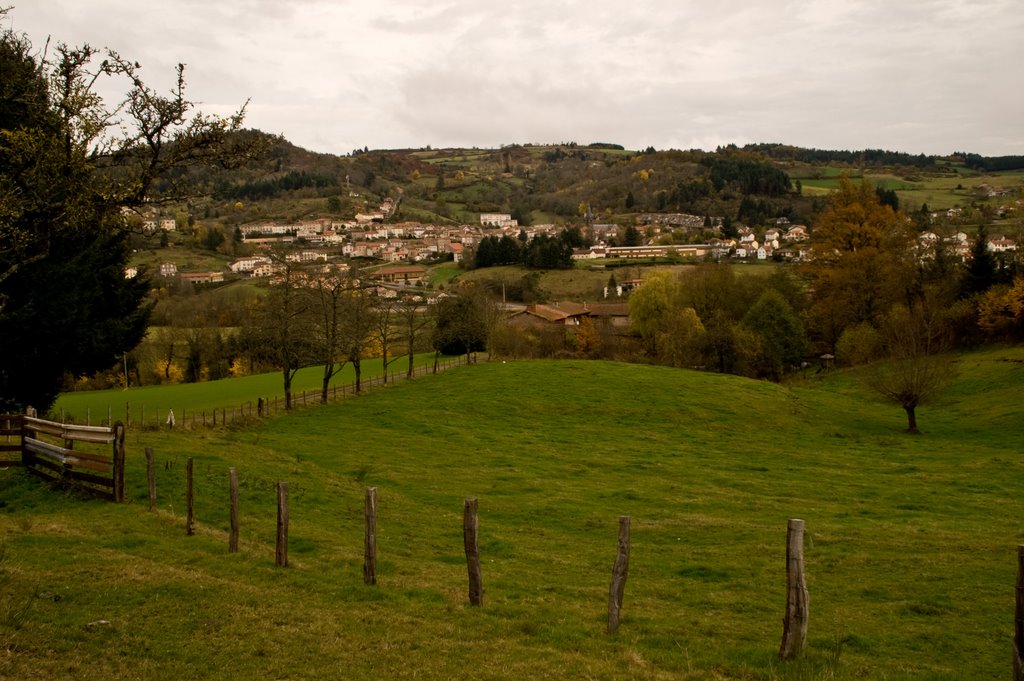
x: 922, y: 76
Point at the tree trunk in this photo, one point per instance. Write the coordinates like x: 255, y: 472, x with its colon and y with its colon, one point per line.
x: 287, y: 389
x: 384, y: 361
x: 911, y: 420
x: 357, y: 365
x: 325, y: 386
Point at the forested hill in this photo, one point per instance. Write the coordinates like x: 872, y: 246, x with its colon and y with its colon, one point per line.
x: 565, y: 182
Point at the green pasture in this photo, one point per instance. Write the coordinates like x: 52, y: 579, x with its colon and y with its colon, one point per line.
x: 192, y: 398
x: 910, y: 548
x: 938, y: 191
x: 445, y: 272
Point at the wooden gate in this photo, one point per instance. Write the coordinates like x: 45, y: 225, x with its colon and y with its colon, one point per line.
x: 88, y: 457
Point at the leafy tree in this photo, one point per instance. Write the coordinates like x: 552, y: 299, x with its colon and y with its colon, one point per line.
x: 588, y: 339
x: 859, y: 344
x: 683, y: 338
x: 729, y: 346
x: 863, y: 262
x: 69, y: 166
x: 713, y: 289
x: 651, y: 305
x: 1001, y: 311
x: 671, y: 330
x: 462, y: 324
x: 783, y: 342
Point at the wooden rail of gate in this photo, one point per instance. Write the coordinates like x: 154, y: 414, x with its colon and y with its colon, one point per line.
x: 88, y: 457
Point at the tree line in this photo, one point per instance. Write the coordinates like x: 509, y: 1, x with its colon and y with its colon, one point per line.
x: 871, y: 291
x: 332, y: 317
x: 541, y: 251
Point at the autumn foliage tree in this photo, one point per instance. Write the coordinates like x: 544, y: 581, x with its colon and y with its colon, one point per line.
x: 863, y: 262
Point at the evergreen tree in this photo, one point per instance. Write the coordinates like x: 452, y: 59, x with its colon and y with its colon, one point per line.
x: 631, y: 237
x: 981, y: 272
x: 65, y: 304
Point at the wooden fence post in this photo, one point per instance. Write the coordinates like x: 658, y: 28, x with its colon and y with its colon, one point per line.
x: 471, y: 539
x: 370, y: 545
x: 190, y: 500
x: 233, y: 488
x: 281, y: 554
x: 794, y: 631
x: 118, y: 461
x: 1018, y: 629
x: 619, y: 573
x: 151, y: 478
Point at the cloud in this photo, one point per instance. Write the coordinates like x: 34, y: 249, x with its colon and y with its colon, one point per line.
x: 927, y: 76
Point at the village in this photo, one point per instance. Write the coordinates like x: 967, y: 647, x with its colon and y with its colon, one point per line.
x: 402, y: 247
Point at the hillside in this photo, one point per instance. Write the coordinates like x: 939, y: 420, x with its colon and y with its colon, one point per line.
x: 910, y: 548
x: 539, y: 183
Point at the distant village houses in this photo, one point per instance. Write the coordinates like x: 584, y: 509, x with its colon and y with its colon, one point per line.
x: 497, y: 220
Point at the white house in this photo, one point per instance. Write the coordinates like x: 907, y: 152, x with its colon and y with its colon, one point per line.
x: 796, y: 233
x: 1002, y: 245
x: 498, y: 220
x: 248, y: 264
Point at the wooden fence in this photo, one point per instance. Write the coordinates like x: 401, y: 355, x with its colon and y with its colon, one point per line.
x: 147, y: 417
x: 90, y: 458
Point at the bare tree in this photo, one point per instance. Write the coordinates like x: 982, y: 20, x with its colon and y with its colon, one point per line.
x: 285, y: 328
x: 413, y: 320
x: 385, y: 308
x: 331, y: 291
x: 358, y: 327
x: 915, y: 371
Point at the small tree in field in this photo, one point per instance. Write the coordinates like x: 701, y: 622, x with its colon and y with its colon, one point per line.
x: 915, y: 372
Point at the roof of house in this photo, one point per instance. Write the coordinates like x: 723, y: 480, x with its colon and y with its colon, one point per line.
x: 557, y: 312
x: 609, y: 309
x: 404, y: 269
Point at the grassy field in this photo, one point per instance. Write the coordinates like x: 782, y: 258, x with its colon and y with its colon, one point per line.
x: 910, y: 547
x: 939, y: 191
x: 192, y: 398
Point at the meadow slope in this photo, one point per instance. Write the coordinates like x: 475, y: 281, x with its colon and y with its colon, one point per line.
x: 910, y: 549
